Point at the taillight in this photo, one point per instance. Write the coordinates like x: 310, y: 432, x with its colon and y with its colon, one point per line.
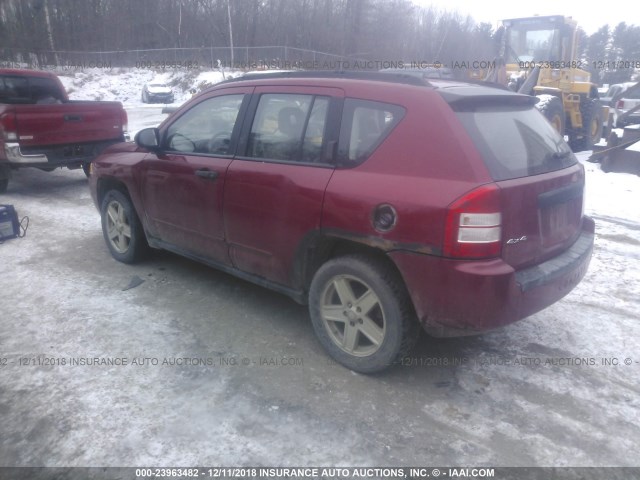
x: 474, y: 225
x: 8, y: 127
x: 125, y: 121
x: 620, y: 104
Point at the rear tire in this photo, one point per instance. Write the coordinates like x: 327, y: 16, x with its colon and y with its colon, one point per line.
x: 122, y: 229
x: 4, y: 184
x: 362, y: 313
x: 86, y: 168
x: 553, y: 110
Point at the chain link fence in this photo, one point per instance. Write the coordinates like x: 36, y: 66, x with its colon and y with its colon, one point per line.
x: 205, y: 58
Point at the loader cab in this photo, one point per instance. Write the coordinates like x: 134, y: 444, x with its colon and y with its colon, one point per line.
x: 539, y: 39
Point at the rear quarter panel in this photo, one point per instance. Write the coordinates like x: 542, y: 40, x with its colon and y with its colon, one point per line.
x: 425, y: 163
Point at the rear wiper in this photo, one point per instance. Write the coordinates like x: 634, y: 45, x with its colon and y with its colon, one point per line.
x: 550, y: 157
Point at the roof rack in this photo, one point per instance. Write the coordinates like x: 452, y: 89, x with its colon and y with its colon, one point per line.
x: 391, y: 77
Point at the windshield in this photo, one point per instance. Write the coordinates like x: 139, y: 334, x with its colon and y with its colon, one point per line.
x: 515, y: 142
x: 527, y: 43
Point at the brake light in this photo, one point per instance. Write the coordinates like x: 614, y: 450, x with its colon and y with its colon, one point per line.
x: 473, y: 227
x: 620, y: 104
x: 125, y: 121
x: 9, y: 127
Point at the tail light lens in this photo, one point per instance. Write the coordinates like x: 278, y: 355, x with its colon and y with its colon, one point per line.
x: 474, y: 225
x: 125, y: 121
x: 620, y: 104
x: 8, y: 127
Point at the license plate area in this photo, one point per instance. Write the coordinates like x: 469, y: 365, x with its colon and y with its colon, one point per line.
x: 560, y: 222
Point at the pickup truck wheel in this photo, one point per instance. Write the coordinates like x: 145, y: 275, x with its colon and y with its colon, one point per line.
x: 361, y: 313
x: 4, y: 183
x: 121, y: 228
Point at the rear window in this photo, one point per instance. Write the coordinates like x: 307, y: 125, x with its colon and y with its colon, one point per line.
x: 632, y: 94
x: 15, y: 89
x: 515, y: 141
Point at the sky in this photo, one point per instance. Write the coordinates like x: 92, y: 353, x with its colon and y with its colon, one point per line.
x: 589, y: 15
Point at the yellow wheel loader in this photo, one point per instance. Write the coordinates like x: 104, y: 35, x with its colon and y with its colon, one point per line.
x: 538, y: 57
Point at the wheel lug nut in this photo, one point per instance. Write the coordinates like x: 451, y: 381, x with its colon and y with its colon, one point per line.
x: 358, y: 309
x: 360, y: 321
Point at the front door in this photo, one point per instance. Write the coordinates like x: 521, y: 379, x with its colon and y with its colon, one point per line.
x: 183, y: 186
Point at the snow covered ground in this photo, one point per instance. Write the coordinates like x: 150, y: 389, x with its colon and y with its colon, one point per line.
x: 125, y: 84
x: 560, y: 388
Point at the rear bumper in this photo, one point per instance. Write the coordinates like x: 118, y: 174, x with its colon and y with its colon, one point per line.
x: 14, y: 155
x: 56, y: 155
x: 456, y: 297
x: 160, y: 97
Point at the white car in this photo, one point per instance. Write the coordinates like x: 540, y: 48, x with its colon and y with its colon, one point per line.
x: 157, y: 92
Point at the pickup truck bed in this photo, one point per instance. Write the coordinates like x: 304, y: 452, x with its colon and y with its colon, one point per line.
x: 40, y: 127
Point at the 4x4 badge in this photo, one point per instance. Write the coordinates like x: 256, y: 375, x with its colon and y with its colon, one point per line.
x: 513, y: 241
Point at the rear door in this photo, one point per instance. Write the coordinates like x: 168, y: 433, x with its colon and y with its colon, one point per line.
x: 183, y: 186
x: 275, y: 187
x: 541, y: 182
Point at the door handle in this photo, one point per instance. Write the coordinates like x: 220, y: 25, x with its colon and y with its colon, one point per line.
x: 207, y: 174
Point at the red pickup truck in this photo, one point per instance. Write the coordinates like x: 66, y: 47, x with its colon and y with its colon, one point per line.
x: 40, y: 127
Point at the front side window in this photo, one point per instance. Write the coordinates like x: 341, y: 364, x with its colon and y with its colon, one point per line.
x: 365, y: 125
x: 289, y: 127
x: 206, y: 128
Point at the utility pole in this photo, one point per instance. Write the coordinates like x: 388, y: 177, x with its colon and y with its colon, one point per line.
x: 49, y: 32
x: 230, y: 31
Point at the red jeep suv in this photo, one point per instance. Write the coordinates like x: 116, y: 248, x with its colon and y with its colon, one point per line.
x: 384, y: 201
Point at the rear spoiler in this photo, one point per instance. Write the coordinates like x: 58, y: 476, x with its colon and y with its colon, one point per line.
x: 469, y: 95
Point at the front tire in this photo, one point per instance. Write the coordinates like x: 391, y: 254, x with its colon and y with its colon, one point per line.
x: 551, y: 107
x: 121, y: 228
x: 361, y: 313
x: 591, y: 132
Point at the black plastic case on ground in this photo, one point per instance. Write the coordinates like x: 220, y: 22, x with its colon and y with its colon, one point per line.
x: 9, y: 225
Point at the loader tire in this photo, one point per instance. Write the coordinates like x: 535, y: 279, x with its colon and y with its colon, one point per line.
x: 551, y: 107
x: 591, y: 131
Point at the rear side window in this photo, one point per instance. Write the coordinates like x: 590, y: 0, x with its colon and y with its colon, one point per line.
x: 514, y: 141
x: 289, y: 127
x: 364, y: 127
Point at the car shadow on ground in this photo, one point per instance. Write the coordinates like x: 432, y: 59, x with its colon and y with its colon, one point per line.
x: 433, y: 360
x: 32, y: 182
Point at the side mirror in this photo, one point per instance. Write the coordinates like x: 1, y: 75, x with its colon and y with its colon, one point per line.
x: 148, y: 138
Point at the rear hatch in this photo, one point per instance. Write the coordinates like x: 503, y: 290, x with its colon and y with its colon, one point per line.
x: 541, y: 182
x: 65, y: 123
